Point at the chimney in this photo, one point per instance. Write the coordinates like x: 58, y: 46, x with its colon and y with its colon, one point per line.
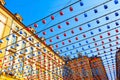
x: 2, y: 2
x: 18, y: 17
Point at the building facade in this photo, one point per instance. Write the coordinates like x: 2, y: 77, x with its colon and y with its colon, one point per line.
x: 118, y: 64
x: 84, y: 68
x: 23, y: 55
x: 80, y: 68
x: 98, y: 69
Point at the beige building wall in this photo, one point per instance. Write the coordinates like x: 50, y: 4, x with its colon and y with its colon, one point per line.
x: 42, y: 63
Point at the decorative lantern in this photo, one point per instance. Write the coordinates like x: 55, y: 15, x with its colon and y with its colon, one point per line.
x: 76, y: 19
x: 69, y: 41
x: 52, y: 17
x: 36, y: 36
x: 51, y: 30
x: 95, y: 44
x: 56, y: 46
x: 35, y: 25
x: 101, y: 36
x: 44, y: 33
x: 81, y: 3
x: 108, y: 33
x: 65, y: 34
x: 105, y: 6
x: 93, y: 39
x: 117, y: 37
x: 84, y: 35
x: 80, y: 28
x: 117, y: 43
x: 44, y: 21
x: 71, y: 8
x: 72, y: 31
x: 110, y: 45
x: 57, y: 37
x: 102, y: 42
x: 63, y: 43
x: 50, y: 40
x: 97, y: 49
x: 67, y: 23
x: 104, y: 47
x: 76, y: 38
x: 28, y: 29
x: 110, y: 40
x: 59, y: 26
x: 61, y: 13
x: 116, y: 30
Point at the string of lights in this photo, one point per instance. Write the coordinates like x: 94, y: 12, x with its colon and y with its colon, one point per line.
x: 62, y: 40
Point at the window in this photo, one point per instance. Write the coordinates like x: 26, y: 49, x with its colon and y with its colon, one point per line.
x: 84, y: 72
x: 96, y: 71
x: 23, y: 47
x: 24, y: 34
x: 31, y: 52
x: 2, y: 24
x: 14, y: 41
x: 14, y: 27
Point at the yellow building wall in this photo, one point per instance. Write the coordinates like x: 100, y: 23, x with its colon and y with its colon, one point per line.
x: 49, y: 56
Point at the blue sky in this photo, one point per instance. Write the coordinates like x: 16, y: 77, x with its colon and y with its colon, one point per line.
x: 32, y: 11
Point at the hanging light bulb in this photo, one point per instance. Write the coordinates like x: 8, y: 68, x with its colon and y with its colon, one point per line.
x: 102, y: 42
x: 44, y: 33
x: 56, y: 46
x: 52, y: 17
x: 61, y: 13
x: 101, y: 36
x: 71, y: 8
x: 116, y: 1
x: 1, y: 41
x: 67, y: 23
x: 110, y: 45
x: 72, y: 31
x: 36, y: 36
x: 51, y: 30
x: 95, y: 44
x: 97, y: 49
x: 110, y: 40
x: 35, y: 25
x: 81, y: 3
x: 44, y: 21
x: 76, y: 19
x: 108, y: 33
x: 59, y: 26
x: 69, y: 41
x: 84, y: 35
x: 50, y: 40
x: 117, y: 37
x: 117, y: 30
x: 57, y: 37
x: 65, y: 34
x: 80, y: 28
x: 93, y: 39
x: 28, y: 29
x: 76, y: 38
x: 63, y: 43
x: 117, y: 43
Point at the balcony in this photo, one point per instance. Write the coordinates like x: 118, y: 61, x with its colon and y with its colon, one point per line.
x: 12, y: 50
